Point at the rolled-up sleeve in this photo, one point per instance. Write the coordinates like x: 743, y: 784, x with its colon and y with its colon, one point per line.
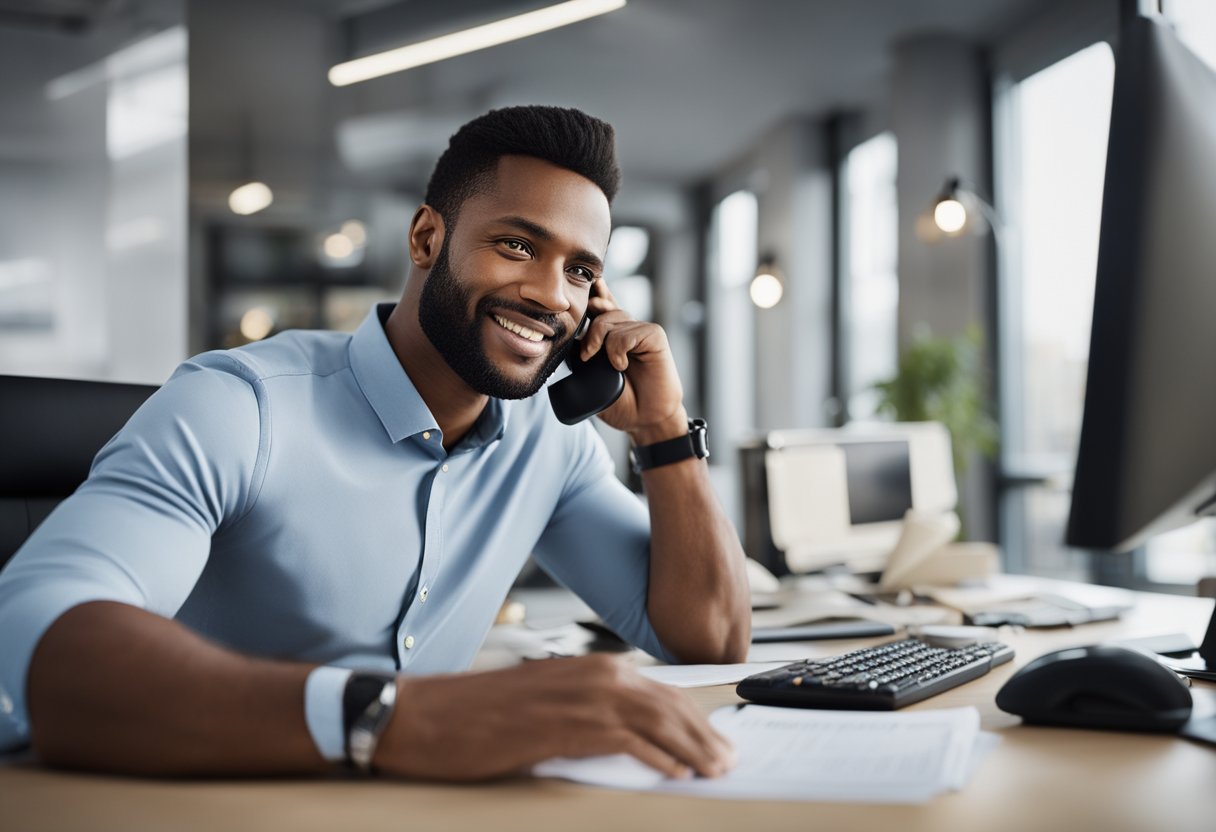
x: 597, y: 544
x: 138, y: 531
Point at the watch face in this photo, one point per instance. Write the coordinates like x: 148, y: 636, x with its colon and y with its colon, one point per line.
x: 699, y: 432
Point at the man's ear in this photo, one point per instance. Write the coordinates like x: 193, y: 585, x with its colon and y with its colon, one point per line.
x: 426, y: 236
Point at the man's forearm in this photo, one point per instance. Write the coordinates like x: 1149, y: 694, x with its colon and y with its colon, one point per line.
x: 115, y: 688
x: 698, y: 602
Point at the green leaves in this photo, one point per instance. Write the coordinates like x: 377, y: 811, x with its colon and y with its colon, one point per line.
x: 942, y: 380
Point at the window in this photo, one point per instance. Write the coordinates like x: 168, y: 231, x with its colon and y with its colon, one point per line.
x: 870, y: 287
x: 1195, y: 23
x: 626, y: 273
x: 730, y: 343
x: 733, y: 241
x: 1060, y: 120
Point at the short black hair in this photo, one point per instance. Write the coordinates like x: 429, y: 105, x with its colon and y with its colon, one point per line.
x: 567, y: 138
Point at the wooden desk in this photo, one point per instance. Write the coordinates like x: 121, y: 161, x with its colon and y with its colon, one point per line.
x: 1038, y: 779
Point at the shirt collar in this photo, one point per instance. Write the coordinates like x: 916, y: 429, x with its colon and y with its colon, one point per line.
x: 392, y: 394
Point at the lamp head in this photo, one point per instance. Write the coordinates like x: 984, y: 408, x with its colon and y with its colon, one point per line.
x: 767, y: 286
x: 949, y: 212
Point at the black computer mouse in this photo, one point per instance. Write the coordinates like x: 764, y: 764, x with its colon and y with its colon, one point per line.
x: 1101, y: 686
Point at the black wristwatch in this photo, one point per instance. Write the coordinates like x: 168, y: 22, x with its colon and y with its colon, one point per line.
x: 694, y: 443
x: 367, y: 704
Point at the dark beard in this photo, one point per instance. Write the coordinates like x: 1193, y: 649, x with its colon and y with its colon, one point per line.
x: 441, y: 312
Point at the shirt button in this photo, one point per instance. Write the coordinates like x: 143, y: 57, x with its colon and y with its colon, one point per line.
x: 409, y: 642
x: 426, y: 434
x: 422, y: 595
x: 445, y: 468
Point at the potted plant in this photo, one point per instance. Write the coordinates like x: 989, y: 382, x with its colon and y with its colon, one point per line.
x: 941, y: 380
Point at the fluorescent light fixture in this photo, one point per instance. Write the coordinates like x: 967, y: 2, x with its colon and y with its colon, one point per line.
x: 250, y: 198
x: 469, y: 40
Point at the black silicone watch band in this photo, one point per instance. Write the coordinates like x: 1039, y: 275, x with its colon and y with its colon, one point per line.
x: 692, y: 444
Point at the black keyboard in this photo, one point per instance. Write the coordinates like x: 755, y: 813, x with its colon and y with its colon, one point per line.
x: 880, y: 678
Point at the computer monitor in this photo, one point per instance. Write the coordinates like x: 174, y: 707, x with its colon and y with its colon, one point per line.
x: 1147, y: 457
x: 822, y: 497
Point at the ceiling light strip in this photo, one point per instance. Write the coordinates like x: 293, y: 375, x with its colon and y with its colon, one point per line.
x: 469, y: 40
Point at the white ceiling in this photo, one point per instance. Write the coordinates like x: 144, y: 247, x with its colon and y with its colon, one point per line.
x: 688, y: 83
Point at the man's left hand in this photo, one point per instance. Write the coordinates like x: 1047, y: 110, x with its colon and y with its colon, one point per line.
x: 651, y: 408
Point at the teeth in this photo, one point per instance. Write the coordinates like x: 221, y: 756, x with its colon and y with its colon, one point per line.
x: 522, y: 331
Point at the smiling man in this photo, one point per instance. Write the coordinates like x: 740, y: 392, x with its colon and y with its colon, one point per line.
x: 278, y: 514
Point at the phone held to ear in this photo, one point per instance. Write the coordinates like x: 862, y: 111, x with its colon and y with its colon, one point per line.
x: 592, y: 385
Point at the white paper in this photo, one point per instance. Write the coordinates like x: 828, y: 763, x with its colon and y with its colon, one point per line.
x: 832, y: 756
x: 705, y: 675
x: 921, y: 536
x: 788, y: 652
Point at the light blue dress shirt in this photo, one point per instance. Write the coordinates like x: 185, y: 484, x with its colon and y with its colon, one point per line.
x: 292, y: 499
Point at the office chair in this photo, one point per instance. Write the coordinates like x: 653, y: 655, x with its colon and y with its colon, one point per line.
x: 50, y: 430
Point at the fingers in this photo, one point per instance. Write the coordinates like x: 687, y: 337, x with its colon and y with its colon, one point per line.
x: 658, y: 724
x: 677, y: 727
x: 621, y: 336
x: 669, y: 720
x: 653, y: 756
x: 602, y: 299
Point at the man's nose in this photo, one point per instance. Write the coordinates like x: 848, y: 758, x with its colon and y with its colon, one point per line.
x: 546, y: 286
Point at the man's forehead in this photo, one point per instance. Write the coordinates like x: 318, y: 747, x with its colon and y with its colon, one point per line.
x: 559, y: 200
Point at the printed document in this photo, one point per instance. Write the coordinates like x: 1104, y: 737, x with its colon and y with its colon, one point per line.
x: 827, y: 756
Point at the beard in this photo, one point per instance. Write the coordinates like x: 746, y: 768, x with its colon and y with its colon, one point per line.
x: 443, y: 315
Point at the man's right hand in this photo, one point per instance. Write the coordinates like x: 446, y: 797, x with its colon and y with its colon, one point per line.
x: 474, y: 726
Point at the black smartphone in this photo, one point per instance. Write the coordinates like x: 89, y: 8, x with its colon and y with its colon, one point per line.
x: 592, y: 385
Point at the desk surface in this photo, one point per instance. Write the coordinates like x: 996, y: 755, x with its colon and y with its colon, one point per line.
x: 1037, y: 779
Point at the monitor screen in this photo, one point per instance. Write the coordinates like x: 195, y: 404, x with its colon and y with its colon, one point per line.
x: 879, y: 477
x: 1147, y: 457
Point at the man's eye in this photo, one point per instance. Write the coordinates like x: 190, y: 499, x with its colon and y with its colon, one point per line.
x: 516, y: 245
x: 584, y: 273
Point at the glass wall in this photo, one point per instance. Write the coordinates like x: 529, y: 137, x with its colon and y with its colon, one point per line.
x: 93, y: 194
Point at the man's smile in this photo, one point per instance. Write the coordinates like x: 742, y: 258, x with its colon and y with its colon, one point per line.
x: 520, y: 340
x: 518, y: 329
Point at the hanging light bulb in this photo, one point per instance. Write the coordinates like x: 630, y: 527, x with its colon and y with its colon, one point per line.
x: 950, y: 215
x: 767, y: 287
x: 254, y: 195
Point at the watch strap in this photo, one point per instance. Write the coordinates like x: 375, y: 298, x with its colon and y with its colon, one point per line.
x: 692, y: 444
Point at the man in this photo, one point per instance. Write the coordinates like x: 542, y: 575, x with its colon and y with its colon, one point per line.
x: 278, y: 514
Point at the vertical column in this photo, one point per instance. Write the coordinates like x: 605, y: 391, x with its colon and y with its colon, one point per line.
x: 940, y: 116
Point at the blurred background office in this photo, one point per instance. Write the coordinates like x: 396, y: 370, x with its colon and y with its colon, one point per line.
x: 181, y: 175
